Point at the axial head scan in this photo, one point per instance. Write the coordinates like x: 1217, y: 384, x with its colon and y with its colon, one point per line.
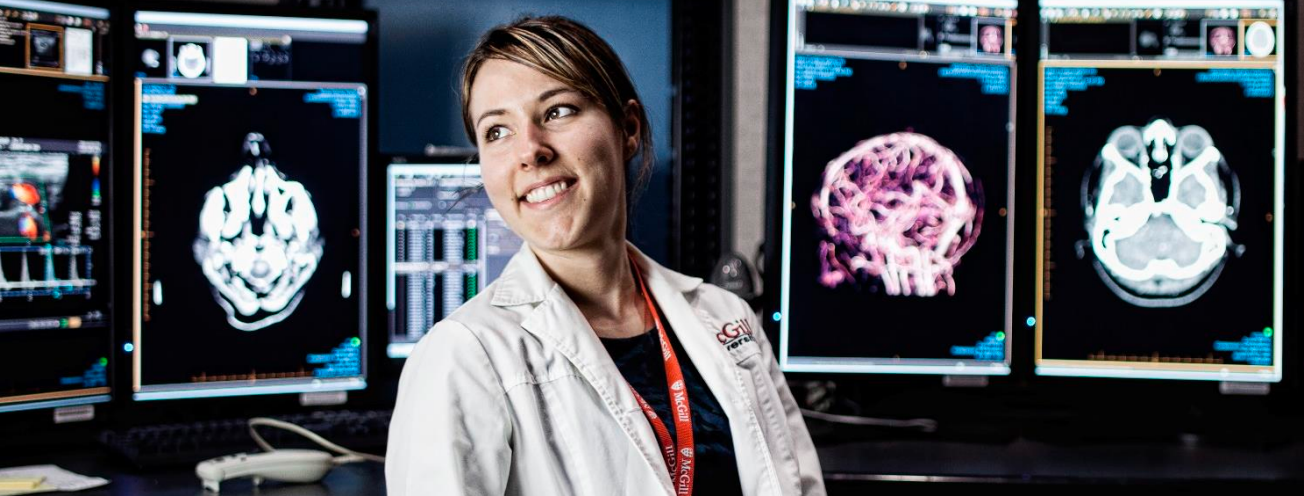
x: 1160, y: 206
x: 258, y: 242
x: 899, y: 208
x: 191, y: 61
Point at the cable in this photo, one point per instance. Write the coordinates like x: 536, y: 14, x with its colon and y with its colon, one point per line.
x: 348, y: 455
x: 924, y: 425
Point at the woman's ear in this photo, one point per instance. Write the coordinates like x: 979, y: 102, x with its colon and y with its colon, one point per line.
x: 632, y: 128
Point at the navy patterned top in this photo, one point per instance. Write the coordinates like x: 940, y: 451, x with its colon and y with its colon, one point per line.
x: 639, y: 360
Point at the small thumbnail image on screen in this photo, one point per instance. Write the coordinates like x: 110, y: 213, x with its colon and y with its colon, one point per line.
x: 1161, y: 183
x: 1221, y: 39
x: 991, y: 36
x: 253, y: 227
x: 191, y: 57
x: 900, y: 198
x: 44, y: 47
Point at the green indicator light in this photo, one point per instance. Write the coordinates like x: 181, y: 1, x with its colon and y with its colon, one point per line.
x: 355, y: 342
x: 104, y: 362
x: 1267, y: 331
x: 63, y: 323
x: 1000, y: 336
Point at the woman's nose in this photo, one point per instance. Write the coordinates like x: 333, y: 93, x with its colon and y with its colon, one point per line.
x: 534, y: 150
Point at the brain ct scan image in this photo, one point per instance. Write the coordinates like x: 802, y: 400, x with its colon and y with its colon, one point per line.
x: 258, y: 241
x: 1160, y: 219
x: 190, y: 58
x: 901, y: 209
x: 1159, y: 208
x: 252, y: 227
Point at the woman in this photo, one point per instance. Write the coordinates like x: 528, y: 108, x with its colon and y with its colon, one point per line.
x: 586, y: 368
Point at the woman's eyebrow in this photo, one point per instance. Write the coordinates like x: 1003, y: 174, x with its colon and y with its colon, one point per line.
x: 542, y: 97
x: 554, y: 92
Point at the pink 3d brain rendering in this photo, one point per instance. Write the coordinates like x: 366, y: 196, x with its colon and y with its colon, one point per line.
x: 899, y: 208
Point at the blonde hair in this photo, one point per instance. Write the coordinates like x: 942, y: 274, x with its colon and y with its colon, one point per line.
x: 570, y: 52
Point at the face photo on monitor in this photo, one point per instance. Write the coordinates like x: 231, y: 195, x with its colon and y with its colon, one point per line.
x: 445, y: 244
x: 896, y: 242
x: 55, y: 208
x: 1162, y: 181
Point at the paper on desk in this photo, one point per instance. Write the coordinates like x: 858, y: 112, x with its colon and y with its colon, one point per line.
x: 56, y: 479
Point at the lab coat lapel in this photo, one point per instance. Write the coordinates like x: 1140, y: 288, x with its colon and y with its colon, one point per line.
x: 558, y: 320
x: 709, y: 357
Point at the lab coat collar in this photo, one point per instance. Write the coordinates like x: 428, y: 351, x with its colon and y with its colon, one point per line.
x: 556, y: 319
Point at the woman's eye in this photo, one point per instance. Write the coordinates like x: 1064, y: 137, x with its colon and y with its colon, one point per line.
x: 561, y: 111
x: 496, y: 133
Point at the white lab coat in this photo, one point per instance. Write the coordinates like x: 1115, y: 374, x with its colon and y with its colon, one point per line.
x: 514, y: 394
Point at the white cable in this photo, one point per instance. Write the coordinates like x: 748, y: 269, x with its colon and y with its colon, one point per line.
x: 925, y: 425
x: 348, y: 455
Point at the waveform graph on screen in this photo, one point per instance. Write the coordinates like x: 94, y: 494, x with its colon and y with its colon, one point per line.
x: 50, y: 224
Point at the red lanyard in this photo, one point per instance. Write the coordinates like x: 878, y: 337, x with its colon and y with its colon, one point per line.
x: 678, y: 461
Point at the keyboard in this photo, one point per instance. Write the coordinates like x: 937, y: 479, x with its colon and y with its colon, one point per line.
x: 172, y: 445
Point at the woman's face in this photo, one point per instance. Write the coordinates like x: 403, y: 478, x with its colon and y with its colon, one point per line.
x: 552, y: 160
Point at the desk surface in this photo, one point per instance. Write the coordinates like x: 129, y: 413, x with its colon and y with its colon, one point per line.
x: 361, y: 479
x: 849, y: 468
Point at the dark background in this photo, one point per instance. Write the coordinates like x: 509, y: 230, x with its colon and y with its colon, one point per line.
x: 858, y: 320
x: 189, y: 333
x: 1082, y: 315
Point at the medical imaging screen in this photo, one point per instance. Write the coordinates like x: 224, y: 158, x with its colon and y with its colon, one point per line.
x: 55, y: 174
x: 1162, y: 191
x: 446, y: 243
x: 896, y: 245
x: 250, y: 223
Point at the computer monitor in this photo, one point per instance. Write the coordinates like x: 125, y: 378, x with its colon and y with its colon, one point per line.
x: 897, y: 174
x: 445, y: 243
x: 251, y: 150
x: 55, y: 223
x: 1162, y: 136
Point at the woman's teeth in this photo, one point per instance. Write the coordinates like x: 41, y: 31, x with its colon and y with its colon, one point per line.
x: 545, y: 193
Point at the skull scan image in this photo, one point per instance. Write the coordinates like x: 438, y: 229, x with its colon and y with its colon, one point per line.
x: 192, y: 62
x: 258, y: 242
x: 1160, y: 206
x: 900, y: 208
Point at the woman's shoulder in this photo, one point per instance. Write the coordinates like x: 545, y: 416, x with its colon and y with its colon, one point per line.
x: 481, y: 319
